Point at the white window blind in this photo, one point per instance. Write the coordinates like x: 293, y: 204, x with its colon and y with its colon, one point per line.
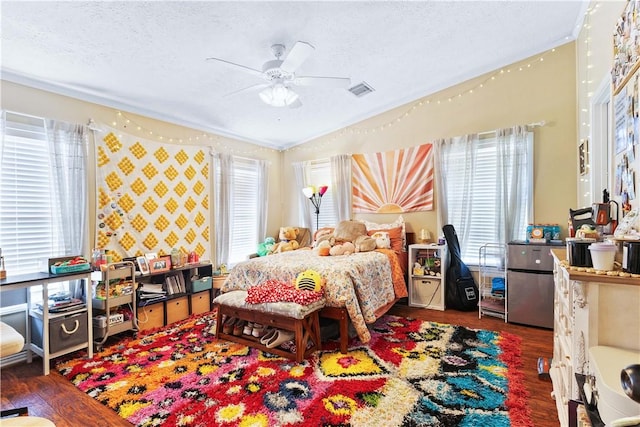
x: 320, y: 174
x: 479, y: 208
x: 244, y: 225
x: 27, y: 223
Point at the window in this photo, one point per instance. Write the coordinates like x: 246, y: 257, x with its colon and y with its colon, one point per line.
x: 320, y: 174
x: 245, y: 218
x: 27, y: 213
x: 489, y: 190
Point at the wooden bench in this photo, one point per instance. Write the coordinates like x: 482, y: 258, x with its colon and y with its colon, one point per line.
x: 302, y: 320
x: 341, y: 315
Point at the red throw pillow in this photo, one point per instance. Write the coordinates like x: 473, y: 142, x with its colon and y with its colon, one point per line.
x: 395, y: 235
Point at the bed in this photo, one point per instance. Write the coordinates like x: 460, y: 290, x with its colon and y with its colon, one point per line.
x: 366, y: 284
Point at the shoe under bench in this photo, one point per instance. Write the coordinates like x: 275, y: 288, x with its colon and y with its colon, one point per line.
x: 306, y: 328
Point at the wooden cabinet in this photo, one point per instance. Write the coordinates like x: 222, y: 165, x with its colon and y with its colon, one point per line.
x: 195, y: 297
x: 426, y: 276
x: 589, y: 310
x: 177, y: 309
x: 200, y: 302
x: 151, y: 316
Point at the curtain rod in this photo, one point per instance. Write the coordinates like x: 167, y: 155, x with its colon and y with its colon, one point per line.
x: 92, y: 125
x: 529, y: 125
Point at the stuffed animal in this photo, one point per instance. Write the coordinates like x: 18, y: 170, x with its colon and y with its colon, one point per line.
x: 266, y: 247
x: 346, y: 248
x: 323, y: 248
x: 383, y: 241
x: 287, y: 241
x: 309, y: 280
x: 364, y: 244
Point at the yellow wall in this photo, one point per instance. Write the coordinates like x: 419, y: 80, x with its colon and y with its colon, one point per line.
x: 40, y: 103
x: 529, y: 91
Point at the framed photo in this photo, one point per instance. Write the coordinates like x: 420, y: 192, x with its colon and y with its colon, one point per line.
x: 143, y: 264
x: 583, y: 157
x: 159, y: 265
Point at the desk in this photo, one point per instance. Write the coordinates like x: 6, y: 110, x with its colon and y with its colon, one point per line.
x: 22, y: 281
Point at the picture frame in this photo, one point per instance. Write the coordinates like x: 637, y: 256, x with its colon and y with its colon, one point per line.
x: 143, y: 264
x: 160, y: 265
x: 583, y: 157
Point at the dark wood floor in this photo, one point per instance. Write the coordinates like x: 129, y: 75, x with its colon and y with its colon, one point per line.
x: 55, y: 398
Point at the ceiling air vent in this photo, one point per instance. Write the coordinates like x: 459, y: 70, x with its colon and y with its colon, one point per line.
x: 361, y: 89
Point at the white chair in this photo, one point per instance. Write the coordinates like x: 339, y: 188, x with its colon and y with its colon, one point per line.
x: 12, y: 342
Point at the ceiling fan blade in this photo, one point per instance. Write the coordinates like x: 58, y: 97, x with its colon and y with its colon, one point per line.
x: 238, y: 66
x: 329, y: 82
x: 298, y: 54
x: 296, y: 104
x: 246, y: 89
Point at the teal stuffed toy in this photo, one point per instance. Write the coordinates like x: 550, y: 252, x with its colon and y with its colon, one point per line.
x: 266, y: 247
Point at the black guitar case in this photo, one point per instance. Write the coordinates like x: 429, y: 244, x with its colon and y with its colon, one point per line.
x: 461, y: 291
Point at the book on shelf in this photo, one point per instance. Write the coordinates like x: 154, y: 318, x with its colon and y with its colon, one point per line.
x: 152, y: 288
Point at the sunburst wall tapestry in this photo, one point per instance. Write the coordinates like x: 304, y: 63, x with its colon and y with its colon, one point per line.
x: 394, y: 181
x: 151, y: 196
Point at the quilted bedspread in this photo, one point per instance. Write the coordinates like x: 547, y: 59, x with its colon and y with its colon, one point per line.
x: 365, y: 283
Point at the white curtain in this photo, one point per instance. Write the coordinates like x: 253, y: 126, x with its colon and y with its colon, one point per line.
x: 223, y: 165
x: 485, y: 186
x: 456, y: 156
x: 263, y: 202
x: 341, y: 185
x: 68, y: 150
x: 304, y: 207
x: 513, y: 156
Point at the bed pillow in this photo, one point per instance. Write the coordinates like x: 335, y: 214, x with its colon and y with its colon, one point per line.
x: 399, y: 222
x: 395, y: 235
x: 348, y: 231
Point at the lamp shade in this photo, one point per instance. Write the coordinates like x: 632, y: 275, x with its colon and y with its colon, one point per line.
x: 278, y: 95
x: 322, y: 189
x: 308, y: 192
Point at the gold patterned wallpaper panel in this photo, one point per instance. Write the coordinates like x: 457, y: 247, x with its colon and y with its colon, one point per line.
x: 152, y: 196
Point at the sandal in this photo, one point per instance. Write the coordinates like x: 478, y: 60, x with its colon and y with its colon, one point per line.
x: 280, y: 337
x: 269, y: 333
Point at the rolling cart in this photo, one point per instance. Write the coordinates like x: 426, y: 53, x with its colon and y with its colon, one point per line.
x: 493, y: 280
x: 114, y: 302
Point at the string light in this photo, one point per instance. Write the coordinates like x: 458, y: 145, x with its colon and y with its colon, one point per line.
x: 415, y: 106
x: 125, y: 123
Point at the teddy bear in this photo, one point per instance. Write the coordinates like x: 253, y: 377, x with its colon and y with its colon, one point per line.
x: 323, y: 248
x: 382, y: 239
x: 287, y: 239
x: 364, y: 243
x: 266, y: 247
x: 346, y: 248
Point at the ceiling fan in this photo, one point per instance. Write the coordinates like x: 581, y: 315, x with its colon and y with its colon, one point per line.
x: 280, y: 76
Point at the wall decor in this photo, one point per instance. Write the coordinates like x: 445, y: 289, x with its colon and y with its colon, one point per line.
x: 583, y: 157
x: 394, y: 181
x: 151, y: 196
x: 626, y: 46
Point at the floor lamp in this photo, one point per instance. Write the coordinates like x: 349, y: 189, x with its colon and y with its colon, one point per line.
x: 316, y: 198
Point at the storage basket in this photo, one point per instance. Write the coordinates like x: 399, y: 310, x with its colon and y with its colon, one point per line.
x: 64, y: 269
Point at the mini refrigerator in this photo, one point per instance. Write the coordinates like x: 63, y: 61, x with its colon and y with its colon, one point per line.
x: 531, y: 286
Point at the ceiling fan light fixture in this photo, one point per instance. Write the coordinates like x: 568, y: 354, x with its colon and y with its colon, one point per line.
x: 278, y: 95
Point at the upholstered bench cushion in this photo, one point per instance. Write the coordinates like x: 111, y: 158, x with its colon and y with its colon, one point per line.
x: 285, y: 309
x: 11, y: 342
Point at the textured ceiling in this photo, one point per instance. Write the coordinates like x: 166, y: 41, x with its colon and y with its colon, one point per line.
x: 149, y: 57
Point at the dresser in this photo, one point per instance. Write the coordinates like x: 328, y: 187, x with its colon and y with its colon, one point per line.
x: 589, y: 310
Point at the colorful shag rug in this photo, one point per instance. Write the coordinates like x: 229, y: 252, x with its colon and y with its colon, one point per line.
x: 411, y: 373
